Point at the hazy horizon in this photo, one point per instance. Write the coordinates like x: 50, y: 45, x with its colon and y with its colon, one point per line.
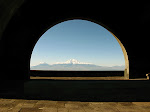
x: 75, y: 65
x: 68, y: 60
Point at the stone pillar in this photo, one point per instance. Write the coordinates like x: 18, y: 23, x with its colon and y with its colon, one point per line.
x: 126, y: 74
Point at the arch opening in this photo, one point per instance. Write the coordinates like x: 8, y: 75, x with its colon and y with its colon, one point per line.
x: 72, y: 61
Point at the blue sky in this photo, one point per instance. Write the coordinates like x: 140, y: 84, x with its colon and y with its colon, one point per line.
x: 78, y: 39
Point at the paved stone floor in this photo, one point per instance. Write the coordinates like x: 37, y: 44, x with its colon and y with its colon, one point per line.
x: 19, y: 105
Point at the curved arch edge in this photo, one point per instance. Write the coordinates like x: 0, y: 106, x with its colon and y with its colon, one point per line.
x: 126, y: 72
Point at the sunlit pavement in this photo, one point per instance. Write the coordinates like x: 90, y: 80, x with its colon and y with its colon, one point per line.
x: 19, y: 105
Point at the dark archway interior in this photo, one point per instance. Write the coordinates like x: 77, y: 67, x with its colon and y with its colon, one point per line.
x: 22, y: 22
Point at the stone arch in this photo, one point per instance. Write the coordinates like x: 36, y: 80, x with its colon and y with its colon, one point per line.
x: 22, y: 22
x: 126, y: 71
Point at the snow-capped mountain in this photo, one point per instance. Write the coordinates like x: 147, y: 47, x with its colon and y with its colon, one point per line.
x: 72, y: 61
x: 73, y: 64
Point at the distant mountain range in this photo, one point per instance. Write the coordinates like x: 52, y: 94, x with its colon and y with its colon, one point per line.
x: 75, y: 65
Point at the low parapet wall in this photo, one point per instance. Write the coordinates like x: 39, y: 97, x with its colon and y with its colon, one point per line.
x: 41, y: 73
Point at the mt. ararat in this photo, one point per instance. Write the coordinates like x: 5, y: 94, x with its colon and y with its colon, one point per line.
x: 75, y: 65
x: 72, y: 61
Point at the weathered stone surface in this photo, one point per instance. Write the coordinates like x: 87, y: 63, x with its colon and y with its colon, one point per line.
x: 49, y: 109
x: 60, y: 104
x: 62, y: 110
x: 30, y: 110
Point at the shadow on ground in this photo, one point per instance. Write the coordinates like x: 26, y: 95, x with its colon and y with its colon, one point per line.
x: 85, y: 90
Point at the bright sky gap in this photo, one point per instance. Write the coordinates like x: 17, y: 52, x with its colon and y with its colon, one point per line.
x: 81, y: 40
